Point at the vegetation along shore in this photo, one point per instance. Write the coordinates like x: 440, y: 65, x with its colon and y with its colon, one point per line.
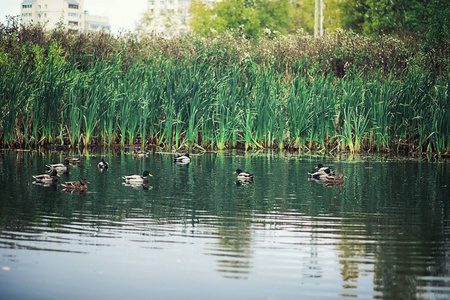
x: 339, y: 92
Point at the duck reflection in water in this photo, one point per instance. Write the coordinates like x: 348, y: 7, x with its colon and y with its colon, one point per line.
x: 144, y: 186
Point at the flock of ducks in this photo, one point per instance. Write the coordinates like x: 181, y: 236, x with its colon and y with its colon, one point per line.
x: 82, y: 185
x: 322, y: 174
x: 327, y: 175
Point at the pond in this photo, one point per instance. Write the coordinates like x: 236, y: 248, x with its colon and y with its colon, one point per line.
x: 194, y: 232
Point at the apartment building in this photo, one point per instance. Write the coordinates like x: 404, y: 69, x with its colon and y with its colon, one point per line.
x: 70, y: 13
x: 170, y: 17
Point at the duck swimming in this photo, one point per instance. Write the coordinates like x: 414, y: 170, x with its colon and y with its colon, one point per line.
x: 321, y: 174
x: 103, y: 165
x: 321, y: 168
x: 335, y: 179
x: 76, y: 185
x: 139, y: 153
x: 137, y: 179
x: 184, y: 159
x: 60, y: 168
x: 72, y: 160
x: 244, y: 175
x: 47, y: 178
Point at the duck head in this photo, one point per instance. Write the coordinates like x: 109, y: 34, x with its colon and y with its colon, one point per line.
x: 146, y: 173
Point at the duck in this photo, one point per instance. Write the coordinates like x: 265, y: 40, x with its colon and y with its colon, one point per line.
x: 72, y: 160
x: 47, y: 178
x: 103, y: 165
x: 137, y: 179
x: 76, y: 185
x: 320, y: 168
x: 184, y: 159
x: 139, y: 153
x: 61, y: 167
x: 335, y: 179
x: 321, y: 174
x: 245, y: 176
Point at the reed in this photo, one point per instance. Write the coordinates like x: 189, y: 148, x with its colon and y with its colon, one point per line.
x: 196, y: 93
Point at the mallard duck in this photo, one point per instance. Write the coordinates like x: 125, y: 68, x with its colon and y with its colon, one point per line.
x: 320, y: 168
x: 76, y: 185
x: 72, y: 160
x: 47, y: 178
x: 60, y: 168
x: 335, y: 179
x: 321, y: 174
x: 184, y: 159
x: 244, y: 175
x: 139, y: 153
x: 137, y: 179
x: 103, y: 164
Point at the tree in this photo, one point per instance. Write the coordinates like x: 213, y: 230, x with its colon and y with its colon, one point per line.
x: 424, y: 18
x: 302, y: 15
x: 250, y: 16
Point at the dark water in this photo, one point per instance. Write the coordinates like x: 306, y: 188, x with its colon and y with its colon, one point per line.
x: 196, y: 234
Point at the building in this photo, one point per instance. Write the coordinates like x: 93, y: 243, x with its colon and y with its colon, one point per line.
x: 170, y: 17
x: 67, y: 13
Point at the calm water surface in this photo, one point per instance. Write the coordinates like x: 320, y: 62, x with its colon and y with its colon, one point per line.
x: 194, y: 233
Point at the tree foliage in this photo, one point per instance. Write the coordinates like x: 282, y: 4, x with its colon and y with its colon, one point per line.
x: 252, y: 17
x: 429, y: 19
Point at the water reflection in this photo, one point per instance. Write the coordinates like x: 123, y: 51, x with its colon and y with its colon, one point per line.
x: 383, y: 232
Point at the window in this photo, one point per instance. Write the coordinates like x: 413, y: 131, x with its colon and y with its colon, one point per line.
x: 72, y: 14
x: 25, y: 6
x: 152, y: 2
x: 162, y: 2
x: 73, y: 23
x: 75, y: 6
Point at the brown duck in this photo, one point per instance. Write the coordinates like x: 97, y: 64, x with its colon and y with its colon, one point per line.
x: 76, y: 185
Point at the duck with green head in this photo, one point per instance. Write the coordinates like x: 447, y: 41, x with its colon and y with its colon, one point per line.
x: 244, y: 175
x: 183, y: 159
x: 321, y: 174
x: 61, y: 167
x: 103, y: 165
x: 47, y: 178
x: 137, y: 179
x: 322, y: 168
